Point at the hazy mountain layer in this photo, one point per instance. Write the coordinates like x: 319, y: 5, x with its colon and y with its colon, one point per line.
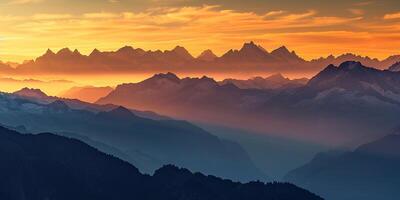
x: 351, y: 103
x: 46, y: 166
x: 370, y: 172
x: 148, y: 142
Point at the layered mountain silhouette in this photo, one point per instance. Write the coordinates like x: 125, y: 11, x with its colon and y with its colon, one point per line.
x: 369, y: 172
x: 47, y: 166
x: 251, y: 57
x: 275, y: 81
x: 342, y: 98
x: 149, y: 143
x: 88, y: 93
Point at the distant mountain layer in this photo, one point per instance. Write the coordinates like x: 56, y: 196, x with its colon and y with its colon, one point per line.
x: 250, y: 58
x: 146, y: 142
x: 346, y: 100
x: 46, y: 166
x: 370, y: 172
x: 276, y: 81
x: 88, y: 94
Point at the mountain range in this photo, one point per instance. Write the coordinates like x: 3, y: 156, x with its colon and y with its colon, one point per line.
x: 368, y: 172
x: 47, y: 166
x: 148, y: 142
x: 275, y: 81
x: 341, y: 98
x: 250, y: 56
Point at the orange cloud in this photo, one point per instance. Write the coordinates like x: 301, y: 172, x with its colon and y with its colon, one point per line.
x: 392, y: 16
x: 197, y: 28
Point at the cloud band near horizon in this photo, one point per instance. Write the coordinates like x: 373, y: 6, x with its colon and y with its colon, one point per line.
x: 310, y: 33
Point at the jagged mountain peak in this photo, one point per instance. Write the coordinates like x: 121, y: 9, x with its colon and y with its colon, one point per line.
x: 282, y: 49
x: 182, y: 51
x: 95, y: 52
x: 64, y: 51
x: 251, y: 46
x: 284, y: 53
x: 126, y: 49
x: 165, y: 76
x: 76, y: 52
x: 207, y: 55
x: 351, y: 65
x: 49, y: 52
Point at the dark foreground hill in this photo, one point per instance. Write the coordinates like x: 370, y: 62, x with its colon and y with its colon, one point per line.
x: 46, y: 166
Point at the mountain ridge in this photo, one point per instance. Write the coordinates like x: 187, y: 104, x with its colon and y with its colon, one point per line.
x: 251, y: 56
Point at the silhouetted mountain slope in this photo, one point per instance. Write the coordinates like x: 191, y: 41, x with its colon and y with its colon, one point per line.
x: 46, y: 166
x: 369, y: 172
x: 250, y: 56
x: 163, y: 141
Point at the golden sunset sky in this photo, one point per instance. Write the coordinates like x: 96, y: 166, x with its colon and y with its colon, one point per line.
x: 311, y: 28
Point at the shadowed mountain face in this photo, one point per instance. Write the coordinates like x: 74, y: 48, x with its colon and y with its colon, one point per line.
x: 46, y: 166
x: 395, y: 67
x: 369, y: 172
x: 346, y: 101
x: 133, y: 60
x: 148, y: 143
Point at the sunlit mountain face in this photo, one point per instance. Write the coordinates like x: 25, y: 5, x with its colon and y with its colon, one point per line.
x: 199, y: 99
